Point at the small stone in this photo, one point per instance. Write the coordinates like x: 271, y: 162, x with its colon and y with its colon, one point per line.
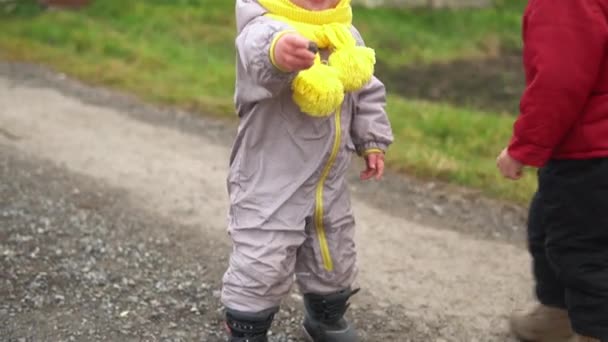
x: 97, y: 278
x: 160, y: 286
x: 437, y: 209
x: 23, y: 238
x: 156, y: 316
x: 59, y: 298
x: 34, y: 253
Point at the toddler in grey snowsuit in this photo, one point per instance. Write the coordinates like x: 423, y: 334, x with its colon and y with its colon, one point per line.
x: 303, y: 113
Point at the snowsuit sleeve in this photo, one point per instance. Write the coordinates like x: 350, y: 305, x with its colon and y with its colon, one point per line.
x: 371, y: 130
x: 255, y: 45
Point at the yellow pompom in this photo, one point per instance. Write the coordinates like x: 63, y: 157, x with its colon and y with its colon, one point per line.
x: 355, y: 66
x: 318, y: 90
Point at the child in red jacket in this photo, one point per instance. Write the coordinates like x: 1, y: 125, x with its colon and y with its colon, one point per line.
x: 563, y: 129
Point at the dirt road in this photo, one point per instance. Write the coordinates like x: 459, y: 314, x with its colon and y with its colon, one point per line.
x: 112, y: 227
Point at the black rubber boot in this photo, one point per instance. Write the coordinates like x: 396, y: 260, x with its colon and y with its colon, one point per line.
x: 324, y: 320
x: 249, y: 327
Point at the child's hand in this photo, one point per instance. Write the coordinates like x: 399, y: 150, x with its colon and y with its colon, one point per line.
x: 291, y: 53
x: 509, y: 167
x: 375, y: 166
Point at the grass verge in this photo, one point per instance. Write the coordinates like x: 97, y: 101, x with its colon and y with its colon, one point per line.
x: 181, y: 53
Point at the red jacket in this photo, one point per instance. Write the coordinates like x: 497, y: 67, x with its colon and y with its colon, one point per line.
x: 564, y: 109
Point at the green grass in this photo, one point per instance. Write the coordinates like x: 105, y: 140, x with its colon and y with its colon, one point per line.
x: 181, y: 52
x: 179, y: 55
x: 423, y: 36
x: 457, y: 145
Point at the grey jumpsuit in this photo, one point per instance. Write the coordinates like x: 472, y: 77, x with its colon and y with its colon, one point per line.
x: 290, y: 211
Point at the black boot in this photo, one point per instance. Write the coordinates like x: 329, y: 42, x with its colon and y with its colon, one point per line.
x: 324, y: 320
x: 249, y: 327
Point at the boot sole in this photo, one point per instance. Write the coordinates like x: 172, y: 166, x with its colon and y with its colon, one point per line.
x: 522, y: 338
x: 545, y: 340
x: 549, y: 339
x: 306, y: 335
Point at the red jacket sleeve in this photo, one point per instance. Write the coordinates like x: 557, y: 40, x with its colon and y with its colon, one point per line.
x: 564, y: 43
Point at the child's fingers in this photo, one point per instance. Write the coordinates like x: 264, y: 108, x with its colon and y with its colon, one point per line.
x: 293, y: 63
x: 380, y: 168
x: 368, y: 174
x: 512, y: 177
x: 303, y: 54
x: 515, y: 174
x: 293, y: 53
x: 372, y: 161
x: 304, y: 59
x: 295, y: 41
x: 375, y: 167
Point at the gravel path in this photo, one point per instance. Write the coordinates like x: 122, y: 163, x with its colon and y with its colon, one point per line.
x: 112, y: 228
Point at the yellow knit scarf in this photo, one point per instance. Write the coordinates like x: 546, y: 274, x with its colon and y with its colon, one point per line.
x: 319, y: 91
